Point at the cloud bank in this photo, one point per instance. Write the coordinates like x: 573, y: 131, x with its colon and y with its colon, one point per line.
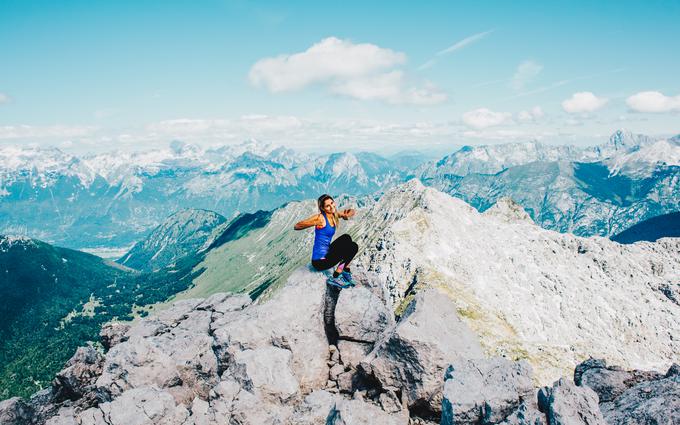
x: 583, y: 102
x: 360, y: 71
x: 653, y: 101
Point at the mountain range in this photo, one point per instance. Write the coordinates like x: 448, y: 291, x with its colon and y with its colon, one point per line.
x: 115, y: 199
x: 447, y: 283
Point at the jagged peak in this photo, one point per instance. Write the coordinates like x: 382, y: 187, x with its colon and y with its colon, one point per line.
x: 508, y: 210
x: 626, y: 139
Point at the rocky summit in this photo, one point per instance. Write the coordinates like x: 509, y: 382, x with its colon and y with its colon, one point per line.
x: 311, y: 354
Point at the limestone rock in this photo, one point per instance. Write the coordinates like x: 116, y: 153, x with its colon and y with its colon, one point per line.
x: 651, y: 402
x: 485, y: 389
x: 314, y: 409
x: 138, y: 406
x: 352, y: 352
x: 292, y: 320
x: 357, y: 412
x: 267, y: 371
x: 79, y: 375
x: 113, y: 333
x: 566, y: 404
x: 526, y: 414
x: 361, y: 316
x: 179, y: 359
x: 414, y: 356
x: 15, y: 411
x: 609, y: 382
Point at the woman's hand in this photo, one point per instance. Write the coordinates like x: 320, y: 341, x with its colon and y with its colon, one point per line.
x: 347, y: 213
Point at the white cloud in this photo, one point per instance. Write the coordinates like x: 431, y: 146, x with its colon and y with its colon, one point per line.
x: 526, y: 71
x: 327, y: 60
x: 464, y: 42
x: 456, y: 46
x: 4, y: 98
x: 653, y: 101
x: 532, y: 114
x: 583, y: 102
x: 360, y: 71
x: 483, y: 118
x: 388, y: 87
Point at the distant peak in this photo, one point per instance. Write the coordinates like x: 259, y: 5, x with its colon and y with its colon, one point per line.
x: 509, y: 211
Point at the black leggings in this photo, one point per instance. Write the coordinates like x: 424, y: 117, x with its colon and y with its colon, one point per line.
x: 342, y: 250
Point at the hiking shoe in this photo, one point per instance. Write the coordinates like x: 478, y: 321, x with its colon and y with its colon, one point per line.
x: 337, y: 282
x: 348, y: 277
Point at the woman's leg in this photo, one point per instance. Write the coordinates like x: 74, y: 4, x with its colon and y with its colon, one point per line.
x: 341, y: 251
x: 352, y: 250
x: 334, y: 254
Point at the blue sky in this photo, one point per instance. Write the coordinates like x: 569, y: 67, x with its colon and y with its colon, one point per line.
x: 95, y: 75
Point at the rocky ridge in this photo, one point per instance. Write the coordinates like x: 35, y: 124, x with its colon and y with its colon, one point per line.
x: 551, y: 298
x: 226, y: 360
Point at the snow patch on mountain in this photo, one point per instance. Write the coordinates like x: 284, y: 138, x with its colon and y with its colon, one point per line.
x: 643, y: 162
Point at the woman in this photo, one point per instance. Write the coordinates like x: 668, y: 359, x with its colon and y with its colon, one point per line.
x: 327, y: 254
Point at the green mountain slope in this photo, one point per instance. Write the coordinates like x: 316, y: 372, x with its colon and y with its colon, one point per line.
x: 56, y: 299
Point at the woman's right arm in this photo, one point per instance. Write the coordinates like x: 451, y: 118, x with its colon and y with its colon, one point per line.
x: 308, y: 222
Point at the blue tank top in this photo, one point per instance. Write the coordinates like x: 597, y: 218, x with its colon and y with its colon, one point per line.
x: 322, y: 239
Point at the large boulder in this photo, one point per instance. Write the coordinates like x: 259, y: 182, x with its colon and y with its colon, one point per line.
x: 414, y: 356
x: 526, y: 414
x: 567, y: 404
x: 359, y: 412
x: 292, y: 320
x: 609, y: 381
x: 178, y: 356
x: 15, y: 411
x: 113, y: 333
x: 78, y: 378
x: 652, y: 402
x: 138, y: 406
x: 352, y: 352
x: 361, y: 316
x: 266, y: 370
x: 485, y: 389
x: 314, y: 409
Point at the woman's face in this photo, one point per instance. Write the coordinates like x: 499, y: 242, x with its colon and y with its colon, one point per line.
x: 329, y: 206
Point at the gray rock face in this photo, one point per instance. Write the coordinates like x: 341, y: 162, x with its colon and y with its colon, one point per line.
x: 609, y: 381
x: 15, y: 411
x: 352, y: 353
x: 566, y: 404
x: 488, y: 389
x: 138, y: 406
x: 651, y: 402
x: 414, y: 356
x: 222, y: 360
x: 292, y: 321
x: 358, y: 412
x: 314, y: 409
x: 361, y: 316
x: 267, y: 370
x: 113, y: 333
x: 526, y: 414
x: 177, y: 357
x: 78, y: 378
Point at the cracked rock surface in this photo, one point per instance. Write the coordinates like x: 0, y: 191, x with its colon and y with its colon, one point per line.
x: 226, y: 360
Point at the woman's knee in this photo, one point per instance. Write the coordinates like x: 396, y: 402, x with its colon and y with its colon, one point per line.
x: 354, y: 247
